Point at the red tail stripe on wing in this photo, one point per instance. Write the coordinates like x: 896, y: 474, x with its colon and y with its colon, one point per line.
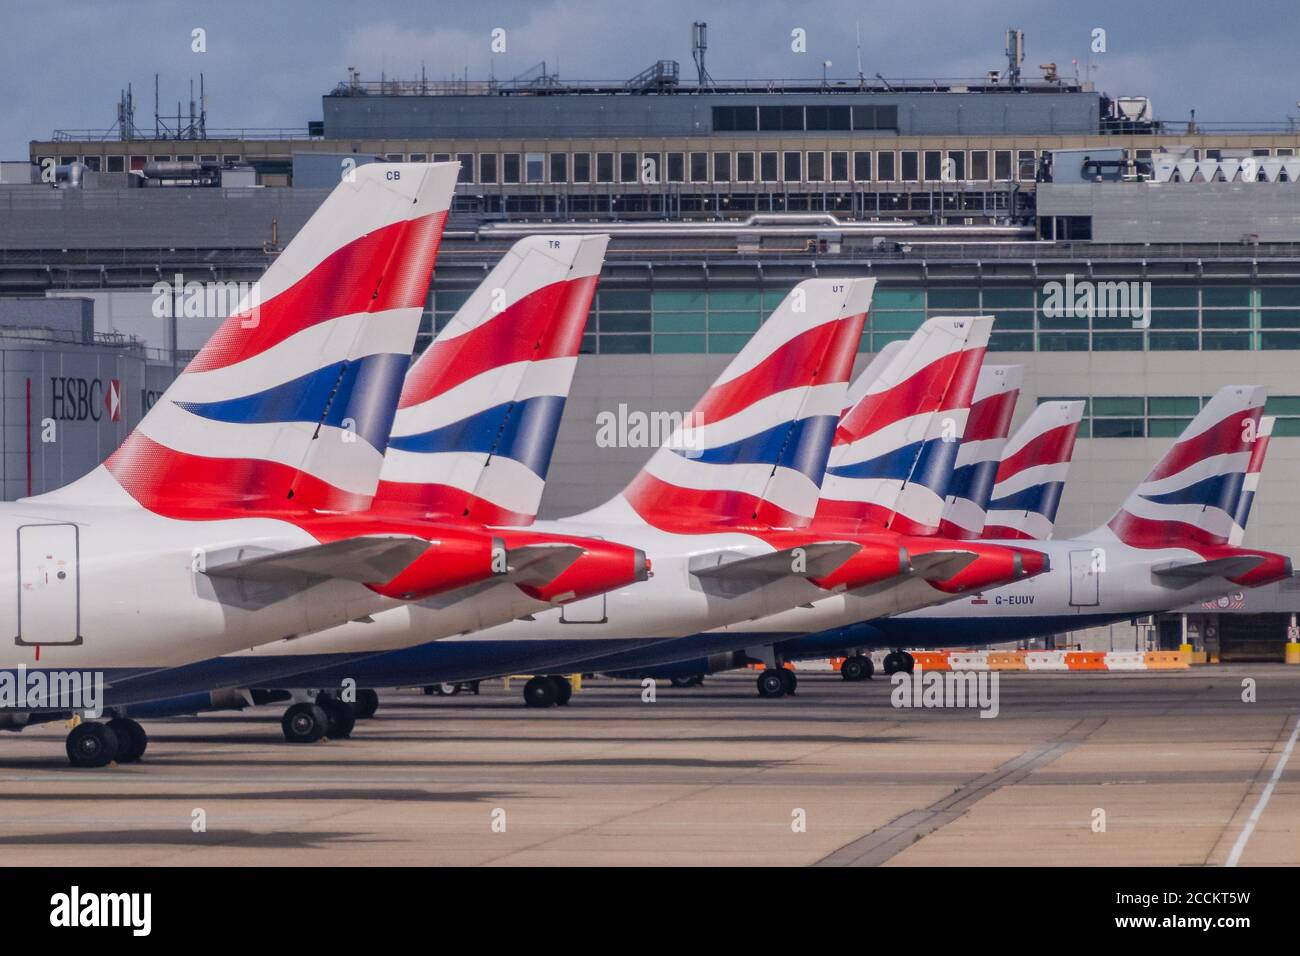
x: 385, y: 269
x: 1051, y: 447
x: 1225, y: 438
x: 547, y: 323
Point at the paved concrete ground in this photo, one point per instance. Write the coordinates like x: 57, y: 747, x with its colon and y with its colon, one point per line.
x: 709, y: 775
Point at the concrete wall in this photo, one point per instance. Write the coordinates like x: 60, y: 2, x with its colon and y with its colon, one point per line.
x: 1179, y: 212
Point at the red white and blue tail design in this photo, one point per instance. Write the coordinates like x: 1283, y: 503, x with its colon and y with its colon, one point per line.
x: 478, y: 415
x: 895, y: 449
x: 986, y: 433
x: 1251, y: 484
x: 1191, y: 496
x: 288, y: 407
x: 754, y: 448
x: 1032, y: 473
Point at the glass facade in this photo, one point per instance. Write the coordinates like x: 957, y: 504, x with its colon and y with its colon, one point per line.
x: 721, y: 319
x: 1157, y: 416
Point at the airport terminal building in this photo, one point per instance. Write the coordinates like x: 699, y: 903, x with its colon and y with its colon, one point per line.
x: 993, y: 196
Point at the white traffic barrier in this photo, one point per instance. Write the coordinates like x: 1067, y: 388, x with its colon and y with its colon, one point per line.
x: 1046, y: 661
x: 1126, y: 661
x: 968, y: 660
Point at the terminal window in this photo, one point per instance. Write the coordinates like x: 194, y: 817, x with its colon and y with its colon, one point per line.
x: 745, y: 167
x: 699, y: 167
x: 792, y: 163
x: 466, y: 174
x: 487, y: 168
x: 627, y: 171
x: 886, y: 168
x: 911, y: 168
x: 582, y: 167
x: 840, y: 167
x: 767, y: 167
x: 735, y: 119
x: 780, y: 118
x: 875, y: 117
x: 816, y: 167
x: 510, y: 171
x: 604, y: 167
x: 722, y: 167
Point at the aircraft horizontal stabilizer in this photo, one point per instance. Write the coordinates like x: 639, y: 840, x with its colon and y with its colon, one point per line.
x: 1180, y: 575
x: 941, y: 565
x: 368, y: 559
x: 539, y: 564
x: 814, y: 560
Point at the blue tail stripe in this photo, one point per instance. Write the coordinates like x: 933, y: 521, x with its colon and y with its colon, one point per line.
x: 1041, y: 499
x: 523, y: 431
x: 1219, y: 491
x: 1242, y: 514
x: 365, y: 391
x: 927, y: 463
x: 802, y: 445
x: 974, y: 482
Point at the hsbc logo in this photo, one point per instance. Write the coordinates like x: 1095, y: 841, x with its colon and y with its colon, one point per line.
x: 85, y: 399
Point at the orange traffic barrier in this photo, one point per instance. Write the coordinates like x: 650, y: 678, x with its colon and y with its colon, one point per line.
x: 1085, y: 660
x: 836, y: 662
x: 931, y: 660
x: 1166, y: 661
x: 1007, y: 661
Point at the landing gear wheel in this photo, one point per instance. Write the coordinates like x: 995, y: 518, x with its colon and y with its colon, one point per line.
x: 92, y: 745
x: 339, y: 719
x: 788, y: 680
x: 131, y: 739
x: 304, y: 724
x: 694, y: 680
x: 367, y: 702
x: 563, y: 689
x: 771, y: 684
x: 856, y: 668
x: 541, y: 692
x: 896, y: 661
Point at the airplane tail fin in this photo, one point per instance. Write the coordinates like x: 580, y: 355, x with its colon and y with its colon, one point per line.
x: 754, y: 447
x: 1032, y: 472
x: 982, y: 443
x: 895, y: 449
x: 476, y: 424
x: 1256, y: 465
x: 1192, y: 493
x: 288, y: 406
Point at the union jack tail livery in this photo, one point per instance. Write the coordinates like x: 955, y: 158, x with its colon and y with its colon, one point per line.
x: 476, y: 424
x: 1249, y: 486
x: 289, y: 405
x: 754, y: 448
x: 894, y: 450
x: 1031, y: 475
x: 1191, y: 496
x: 981, y: 447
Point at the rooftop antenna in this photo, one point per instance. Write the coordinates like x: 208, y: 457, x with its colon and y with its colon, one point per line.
x: 699, y: 46
x: 857, y: 31
x: 1015, y: 50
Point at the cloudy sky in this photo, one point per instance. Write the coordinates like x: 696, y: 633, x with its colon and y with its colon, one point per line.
x: 268, y: 63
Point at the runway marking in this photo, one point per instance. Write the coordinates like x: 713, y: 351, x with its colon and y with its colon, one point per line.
x: 897, y: 835
x: 1240, y: 846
